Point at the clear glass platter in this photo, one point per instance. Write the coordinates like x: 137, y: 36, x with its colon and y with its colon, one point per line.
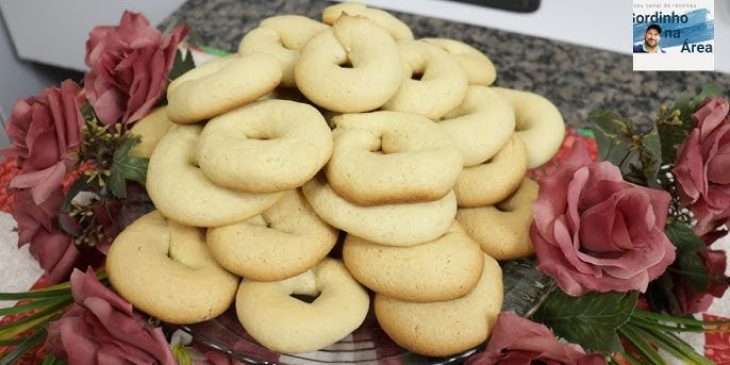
x: 525, y: 289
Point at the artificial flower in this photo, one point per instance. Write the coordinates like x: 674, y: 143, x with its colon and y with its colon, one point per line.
x: 129, y: 65
x: 703, y: 166
x: 37, y: 226
x: 45, y: 131
x: 593, y: 231
x: 519, y: 341
x: 101, y: 328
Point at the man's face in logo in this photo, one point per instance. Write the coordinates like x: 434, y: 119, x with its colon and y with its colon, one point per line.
x: 651, y: 38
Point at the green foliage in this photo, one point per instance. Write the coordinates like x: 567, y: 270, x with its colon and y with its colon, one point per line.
x: 674, y: 122
x: 41, y: 306
x: 689, y: 263
x: 181, y: 65
x: 590, y: 320
x: 126, y: 167
x: 638, y: 155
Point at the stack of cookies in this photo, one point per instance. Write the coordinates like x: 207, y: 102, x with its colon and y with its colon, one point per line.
x: 263, y: 158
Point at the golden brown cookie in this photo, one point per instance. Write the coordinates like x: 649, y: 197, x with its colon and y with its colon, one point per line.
x: 282, y: 37
x: 387, y: 21
x: 443, y: 269
x: 283, y: 241
x: 150, y: 129
x: 286, y: 324
x: 503, y: 230
x: 481, y: 125
x: 538, y: 122
x: 447, y: 327
x: 181, y: 192
x: 439, y: 88
x: 221, y: 85
x: 265, y: 147
x: 390, y: 158
x: 494, y: 180
x: 478, y: 67
x: 165, y: 270
x: 372, y: 79
x: 392, y: 224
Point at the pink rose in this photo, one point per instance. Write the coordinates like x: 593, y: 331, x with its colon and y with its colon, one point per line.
x: 45, y: 131
x: 37, y: 225
x: 101, y: 328
x: 593, y: 231
x: 128, y: 65
x: 518, y: 341
x: 703, y: 166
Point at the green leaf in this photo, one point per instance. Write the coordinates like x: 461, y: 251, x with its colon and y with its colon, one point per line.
x: 688, y: 246
x: 125, y: 167
x: 27, y: 307
x: 181, y: 65
x: 28, y: 343
x: 590, y: 320
x: 87, y: 111
x: 707, y: 92
x: 651, y: 156
x: 649, y: 354
x: 637, y: 155
x: 613, y: 136
x: 675, y: 123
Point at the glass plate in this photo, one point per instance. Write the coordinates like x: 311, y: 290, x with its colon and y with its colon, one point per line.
x: 525, y: 289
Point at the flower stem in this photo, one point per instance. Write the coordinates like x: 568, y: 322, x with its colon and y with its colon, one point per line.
x: 27, y: 344
x: 641, y: 345
x: 678, y: 320
x: 27, y: 307
x: 656, y: 326
x: 12, y: 329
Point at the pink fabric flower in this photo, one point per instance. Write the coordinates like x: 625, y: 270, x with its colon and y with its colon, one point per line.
x: 101, y: 328
x: 45, y: 131
x: 37, y: 225
x: 519, y: 341
x: 129, y: 64
x: 703, y: 166
x: 593, y: 231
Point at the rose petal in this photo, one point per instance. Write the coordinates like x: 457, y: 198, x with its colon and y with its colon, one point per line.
x: 42, y: 183
x: 710, y: 115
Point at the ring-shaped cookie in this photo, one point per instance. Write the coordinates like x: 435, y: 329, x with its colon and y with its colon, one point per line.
x: 376, y: 67
x: 494, y: 180
x: 397, y: 29
x: 443, y: 269
x: 442, y: 85
x: 391, y: 157
x: 538, y: 122
x: 150, y: 129
x: 265, y: 147
x: 447, y: 327
x: 481, y: 125
x: 181, y: 192
x: 503, y: 230
x: 282, y: 37
x: 391, y: 224
x: 478, y: 68
x: 221, y: 85
x: 284, y: 241
x: 286, y: 324
x: 165, y: 269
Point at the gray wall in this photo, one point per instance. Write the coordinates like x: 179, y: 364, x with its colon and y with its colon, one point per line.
x: 20, y: 79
